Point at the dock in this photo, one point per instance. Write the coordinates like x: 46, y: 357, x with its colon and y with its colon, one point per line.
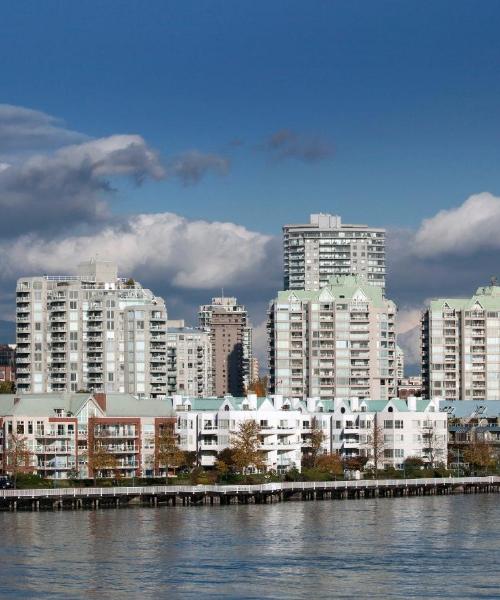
x: 195, y: 495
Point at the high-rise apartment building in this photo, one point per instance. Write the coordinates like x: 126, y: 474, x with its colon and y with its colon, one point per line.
x: 231, y: 342
x: 189, y: 360
x: 461, y: 347
x: 400, y: 363
x: 335, y: 342
x: 324, y: 247
x: 91, y: 331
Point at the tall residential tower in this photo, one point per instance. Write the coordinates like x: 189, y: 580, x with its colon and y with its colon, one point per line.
x: 324, y: 247
x: 91, y: 331
x: 231, y: 342
x: 461, y: 347
x: 335, y: 342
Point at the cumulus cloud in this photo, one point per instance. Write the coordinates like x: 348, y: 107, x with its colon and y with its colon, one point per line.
x: 466, y: 229
x: 26, y: 129
x: 190, y: 254
x: 69, y: 186
x: 287, y: 143
x: 190, y: 167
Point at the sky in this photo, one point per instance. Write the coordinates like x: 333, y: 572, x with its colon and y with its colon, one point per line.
x: 178, y: 137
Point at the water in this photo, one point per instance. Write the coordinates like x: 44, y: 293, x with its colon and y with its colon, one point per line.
x: 424, y: 547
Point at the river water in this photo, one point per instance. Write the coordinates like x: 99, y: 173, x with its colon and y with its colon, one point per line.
x: 424, y: 547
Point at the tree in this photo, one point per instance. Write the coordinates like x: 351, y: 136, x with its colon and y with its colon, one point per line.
x: 18, y: 458
x: 100, y: 460
x: 225, y: 464
x: 7, y: 387
x: 355, y: 463
x: 313, y: 441
x: 375, y: 443
x: 330, y: 464
x: 259, y: 387
x: 245, y: 445
x: 168, y: 453
x: 480, y: 454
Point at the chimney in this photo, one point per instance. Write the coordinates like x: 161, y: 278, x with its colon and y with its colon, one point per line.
x: 355, y: 404
x: 311, y: 404
x: 177, y: 401
x: 252, y: 401
x: 277, y: 401
x: 100, y: 399
x: 412, y: 403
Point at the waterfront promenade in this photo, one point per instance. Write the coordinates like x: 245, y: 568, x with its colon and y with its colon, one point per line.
x: 77, y: 498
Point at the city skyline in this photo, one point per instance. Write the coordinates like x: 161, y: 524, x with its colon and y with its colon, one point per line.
x: 187, y: 178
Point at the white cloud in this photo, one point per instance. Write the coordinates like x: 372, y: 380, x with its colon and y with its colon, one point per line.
x: 407, y: 318
x: 190, y: 254
x: 472, y: 226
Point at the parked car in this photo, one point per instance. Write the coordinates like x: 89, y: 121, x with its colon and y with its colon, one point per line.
x: 5, y: 482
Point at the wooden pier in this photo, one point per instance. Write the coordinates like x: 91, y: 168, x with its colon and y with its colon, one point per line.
x: 185, y: 495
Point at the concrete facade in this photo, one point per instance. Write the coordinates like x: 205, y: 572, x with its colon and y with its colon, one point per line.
x: 335, y: 342
x: 461, y: 347
x: 324, y: 247
x: 189, y: 353
x: 92, y: 331
x: 231, y: 344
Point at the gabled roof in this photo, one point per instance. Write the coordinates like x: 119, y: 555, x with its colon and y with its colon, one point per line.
x: 346, y: 287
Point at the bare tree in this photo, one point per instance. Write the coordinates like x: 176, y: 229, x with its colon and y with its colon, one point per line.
x: 375, y: 443
x: 433, y: 443
x: 18, y: 458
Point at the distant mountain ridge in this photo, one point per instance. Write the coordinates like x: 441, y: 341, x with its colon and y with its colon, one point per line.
x: 7, y: 332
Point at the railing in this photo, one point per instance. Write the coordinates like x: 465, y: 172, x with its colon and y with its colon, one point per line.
x: 294, y: 486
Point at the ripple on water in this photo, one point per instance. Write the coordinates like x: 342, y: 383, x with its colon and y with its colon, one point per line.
x: 435, y: 547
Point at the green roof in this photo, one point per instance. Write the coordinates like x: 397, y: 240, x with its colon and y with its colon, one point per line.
x: 339, y: 287
x: 488, y: 297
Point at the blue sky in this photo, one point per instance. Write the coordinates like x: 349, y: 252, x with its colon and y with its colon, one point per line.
x: 406, y: 92
x: 254, y: 114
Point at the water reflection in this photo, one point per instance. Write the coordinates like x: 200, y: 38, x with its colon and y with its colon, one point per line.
x: 435, y: 547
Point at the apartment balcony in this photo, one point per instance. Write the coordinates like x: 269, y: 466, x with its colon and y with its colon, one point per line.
x: 114, y: 433
x: 51, y: 435
x: 23, y: 318
x: 158, y: 359
x: 51, y: 466
x: 47, y: 450
x: 208, y: 445
x: 59, y: 318
x: 121, y: 449
x: 21, y: 360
